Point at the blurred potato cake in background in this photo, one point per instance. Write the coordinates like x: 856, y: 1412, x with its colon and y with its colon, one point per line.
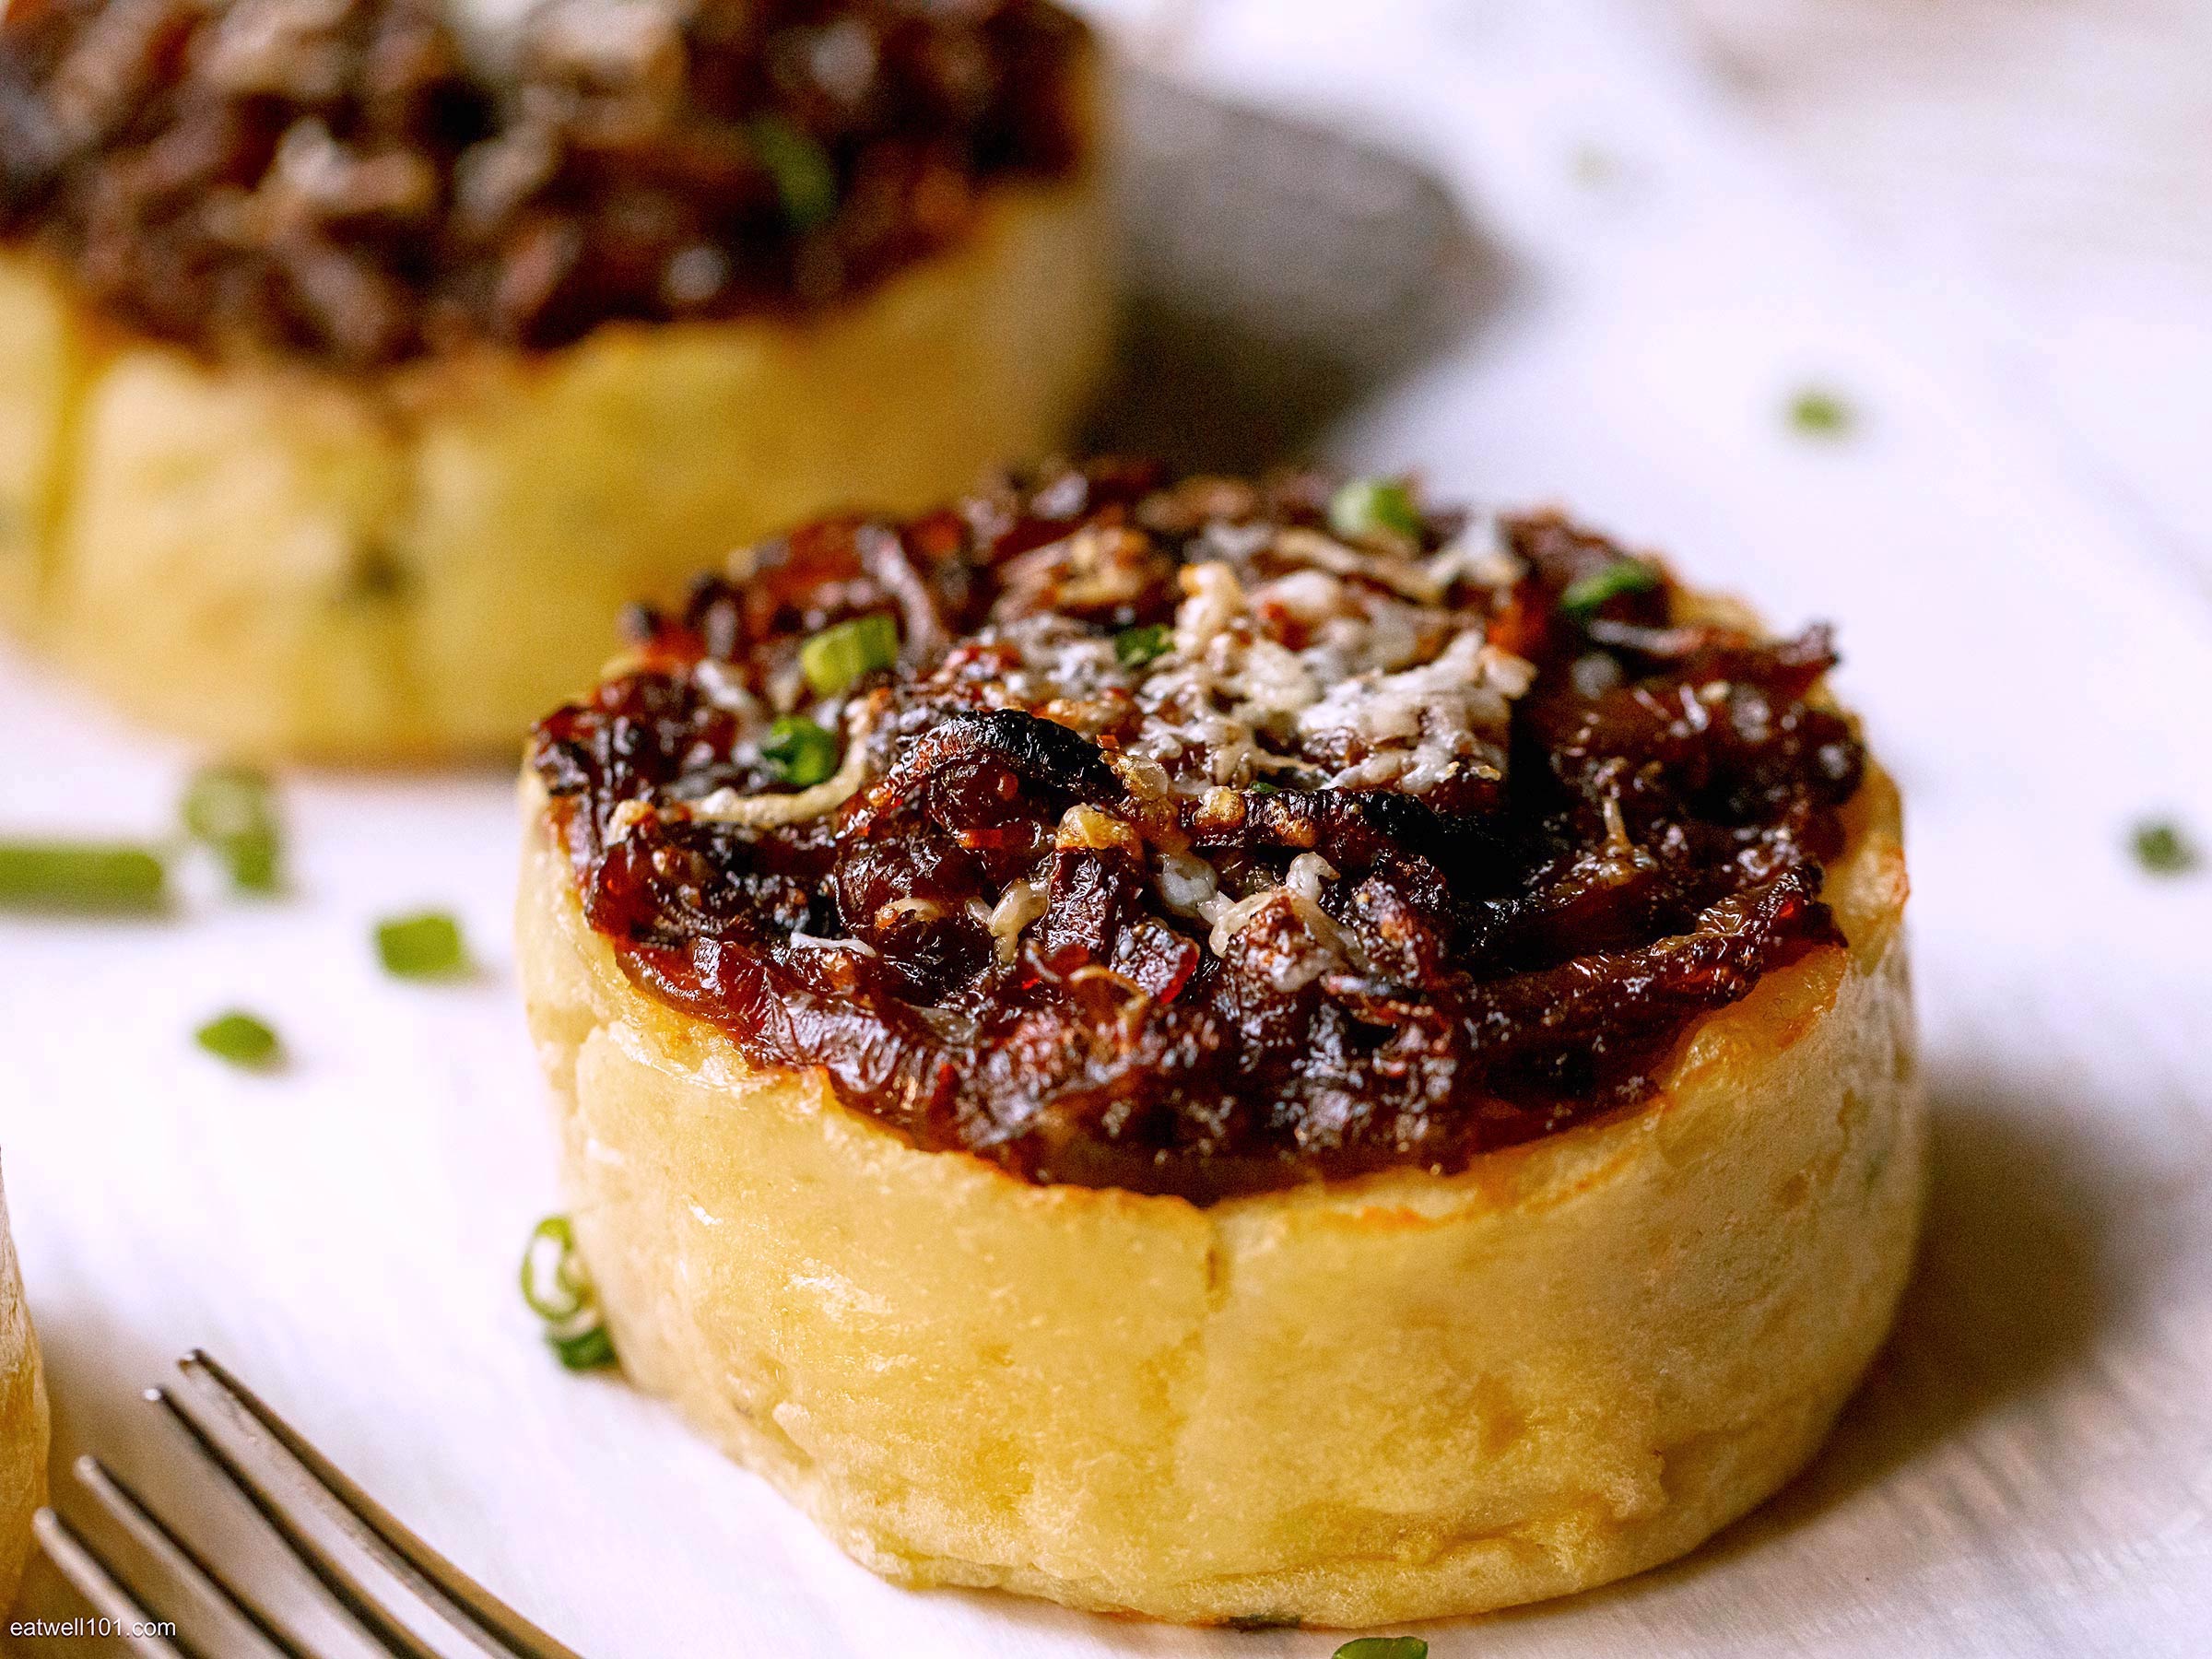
x: 22, y: 1420
x: 359, y: 362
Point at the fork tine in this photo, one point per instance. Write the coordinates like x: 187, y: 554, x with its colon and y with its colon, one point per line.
x: 206, y: 1604
x: 82, y: 1567
x: 355, y: 1546
x: 525, y: 1639
x: 326, y: 1538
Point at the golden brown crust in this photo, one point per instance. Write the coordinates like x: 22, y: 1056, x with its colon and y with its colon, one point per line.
x: 284, y: 562
x: 1401, y: 1396
x: 23, y: 1427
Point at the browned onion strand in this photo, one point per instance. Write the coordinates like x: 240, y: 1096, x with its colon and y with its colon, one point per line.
x: 1397, y: 975
x: 342, y: 179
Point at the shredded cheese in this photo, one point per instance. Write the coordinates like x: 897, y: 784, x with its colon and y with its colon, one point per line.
x: 1307, y: 874
x: 1411, y: 578
x: 815, y: 942
x: 770, y: 811
x: 1020, y: 904
x: 1418, y: 727
x: 1213, y: 598
x: 1228, y: 919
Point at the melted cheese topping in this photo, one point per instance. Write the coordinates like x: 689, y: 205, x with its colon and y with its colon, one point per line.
x: 1343, y: 668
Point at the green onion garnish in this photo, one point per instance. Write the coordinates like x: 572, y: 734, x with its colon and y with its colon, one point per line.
x: 559, y: 1292
x: 1134, y: 647
x: 238, y: 1038
x: 837, y: 656
x: 587, y: 1350
x: 802, y: 753
x: 2162, y: 849
x: 554, y: 1283
x: 804, y: 177
x: 1584, y: 595
x: 1819, y: 414
x: 424, y: 947
x: 231, y: 810
x: 1383, y: 1647
x: 1370, y: 507
x: 79, y: 875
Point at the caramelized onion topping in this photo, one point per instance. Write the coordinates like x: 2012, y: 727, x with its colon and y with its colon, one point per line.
x: 1326, y: 879
x: 357, y: 181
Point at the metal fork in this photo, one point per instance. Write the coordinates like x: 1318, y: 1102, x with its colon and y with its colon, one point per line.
x: 359, y: 1584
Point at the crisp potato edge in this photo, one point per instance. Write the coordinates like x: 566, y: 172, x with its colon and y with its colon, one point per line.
x: 1397, y: 1397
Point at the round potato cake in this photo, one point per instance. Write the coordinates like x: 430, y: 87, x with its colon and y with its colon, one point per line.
x: 1229, y: 1050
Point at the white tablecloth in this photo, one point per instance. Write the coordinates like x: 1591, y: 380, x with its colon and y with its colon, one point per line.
x: 2030, y: 1469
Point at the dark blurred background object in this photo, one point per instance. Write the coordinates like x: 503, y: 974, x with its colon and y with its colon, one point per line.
x: 1279, y: 276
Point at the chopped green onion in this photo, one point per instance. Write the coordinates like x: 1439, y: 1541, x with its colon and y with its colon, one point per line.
x: 587, y: 1350
x: 1261, y: 786
x: 1134, y: 647
x: 553, y: 1278
x: 1370, y: 507
x: 238, y: 1038
x: 802, y: 753
x: 423, y: 946
x: 805, y: 179
x: 231, y: 810
x: 2163, y: 849
x: 834, y: 658
x: 1819, y: 414
x: 1383, y: 1647
x: 1584, y: 595
x: 559, y: 1292
x: 79, y: 875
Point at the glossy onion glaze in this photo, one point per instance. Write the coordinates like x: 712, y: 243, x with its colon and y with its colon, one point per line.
x: 1205, y: 837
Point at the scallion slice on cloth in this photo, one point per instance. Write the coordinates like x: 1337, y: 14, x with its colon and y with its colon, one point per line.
x: 559, y: 1292
x: 421, y: 946
x: 589, y: 1349
x: 1819, y: 414
x: 2161, y: 848
x: 84, y: 877
x: 232, y: 811
x: 241, y: 1039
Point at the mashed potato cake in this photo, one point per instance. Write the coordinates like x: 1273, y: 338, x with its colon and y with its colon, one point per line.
x: 22, y: 1421
x: 355, y: 369
x: 1229, y: 1051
